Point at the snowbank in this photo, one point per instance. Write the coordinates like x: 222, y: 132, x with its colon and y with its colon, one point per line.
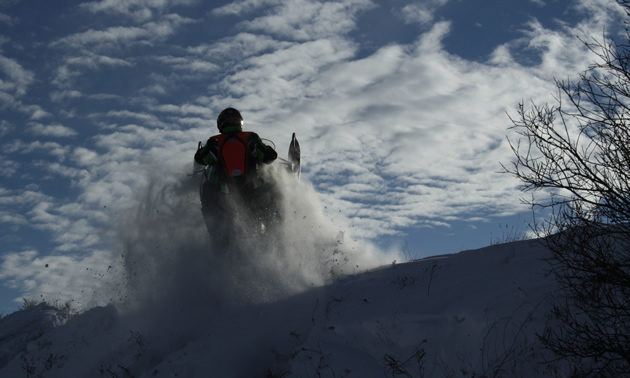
x: 471, y: 312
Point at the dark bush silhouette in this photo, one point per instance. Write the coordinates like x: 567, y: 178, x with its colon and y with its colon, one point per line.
x: 579, y: 151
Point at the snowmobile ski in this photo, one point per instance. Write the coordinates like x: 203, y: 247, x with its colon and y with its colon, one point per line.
x: 294, y: 156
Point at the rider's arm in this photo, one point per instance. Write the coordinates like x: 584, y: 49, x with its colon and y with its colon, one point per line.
x: 206, y: 155
x: 262, y: 152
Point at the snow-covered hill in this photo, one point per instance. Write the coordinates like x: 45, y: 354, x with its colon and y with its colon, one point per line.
x: 307, y: 302
x: 471, y: 313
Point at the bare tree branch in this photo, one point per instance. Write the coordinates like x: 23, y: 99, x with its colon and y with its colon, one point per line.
x: 578, y: 151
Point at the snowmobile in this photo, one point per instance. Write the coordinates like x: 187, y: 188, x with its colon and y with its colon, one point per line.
x: 249, y: 214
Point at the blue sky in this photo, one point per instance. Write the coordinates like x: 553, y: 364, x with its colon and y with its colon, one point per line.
x: 400, y: 107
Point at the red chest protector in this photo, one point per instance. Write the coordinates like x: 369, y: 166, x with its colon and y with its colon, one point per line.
x: 236, y: 163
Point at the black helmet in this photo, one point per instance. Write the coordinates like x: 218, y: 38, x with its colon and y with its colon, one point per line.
x: 229, y: 117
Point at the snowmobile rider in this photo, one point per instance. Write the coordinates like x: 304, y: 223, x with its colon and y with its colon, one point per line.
x: 230, y: 123
x: 233, y: 157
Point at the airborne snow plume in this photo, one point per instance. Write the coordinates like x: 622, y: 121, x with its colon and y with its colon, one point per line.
x: 170, y: 262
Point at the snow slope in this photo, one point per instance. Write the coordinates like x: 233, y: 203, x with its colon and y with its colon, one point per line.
x: 454, y: 315
x: 310, y: 302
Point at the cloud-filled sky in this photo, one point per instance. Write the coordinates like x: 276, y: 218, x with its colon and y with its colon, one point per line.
x: 400, y: 108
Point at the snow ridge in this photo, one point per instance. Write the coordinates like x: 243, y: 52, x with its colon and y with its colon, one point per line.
x: 309, y: 304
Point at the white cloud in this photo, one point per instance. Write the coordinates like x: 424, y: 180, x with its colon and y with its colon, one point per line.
x: 234, y: 48
x: 138, y: 10
x: 7, y: 20
x: 308, y: 20
x: 145, y: 118
x: 602, y: 13
x: 58, y: 96
x: 52, y: 148
x: 240, y: 7
x: 39, y: 276
x: 36, y: 112
x: 11, y: 218
x: 187, y: 110
x: 73, y: 227
x: 420, y: 12
x: 52, y: 130
x: 27, y: 208
x: 190, y: 65
x: 94, y: 61
x: 19, y: 79
x: 63, y: 77
x: 111, y: 35
x: 116, y: 37
x: 106, y: 49
x: 14, y: 197
x: 85, y: 157
x: 8, y: 168
x: 282, y: 75
x: 5, y: 127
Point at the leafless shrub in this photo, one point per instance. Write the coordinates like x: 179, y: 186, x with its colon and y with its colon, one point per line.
x: 579, y: 150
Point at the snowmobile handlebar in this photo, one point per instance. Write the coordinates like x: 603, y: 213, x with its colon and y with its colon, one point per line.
x: 270, y: 142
